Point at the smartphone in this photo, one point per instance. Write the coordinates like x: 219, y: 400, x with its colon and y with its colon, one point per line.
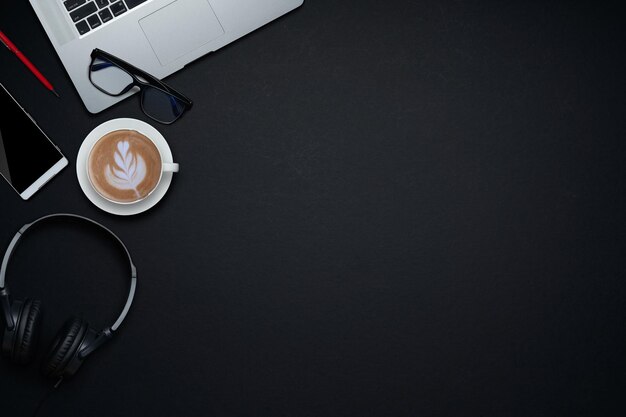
x: 28, y: 158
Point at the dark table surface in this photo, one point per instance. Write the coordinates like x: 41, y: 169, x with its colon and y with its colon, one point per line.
x: 385, y: 208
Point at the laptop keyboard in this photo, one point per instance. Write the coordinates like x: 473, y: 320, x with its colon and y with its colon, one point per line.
x: 90, y: 14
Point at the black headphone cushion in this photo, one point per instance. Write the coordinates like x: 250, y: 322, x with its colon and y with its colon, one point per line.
x: 25, y: 345
x: 64, y: 347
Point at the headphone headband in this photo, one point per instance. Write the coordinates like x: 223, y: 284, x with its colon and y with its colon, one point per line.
x: 26, y: 227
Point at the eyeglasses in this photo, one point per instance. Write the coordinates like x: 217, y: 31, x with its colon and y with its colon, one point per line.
x: 115, y: 77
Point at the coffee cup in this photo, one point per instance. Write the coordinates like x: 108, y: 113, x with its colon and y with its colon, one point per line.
x: 125, y: 166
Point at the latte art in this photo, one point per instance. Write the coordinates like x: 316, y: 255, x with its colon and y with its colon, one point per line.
x: 124, y: 166
x: 129, y: 170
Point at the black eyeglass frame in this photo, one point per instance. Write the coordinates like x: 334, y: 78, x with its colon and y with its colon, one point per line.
x: 135, y: 73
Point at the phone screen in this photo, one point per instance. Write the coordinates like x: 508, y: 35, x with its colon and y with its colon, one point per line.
x: 26, y: 153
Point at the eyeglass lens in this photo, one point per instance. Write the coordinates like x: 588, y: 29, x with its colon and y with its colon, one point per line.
x: 109, y: 77
x: 161, y: 105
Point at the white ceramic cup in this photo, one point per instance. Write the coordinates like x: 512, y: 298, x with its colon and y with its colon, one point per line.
x: 165, y: 167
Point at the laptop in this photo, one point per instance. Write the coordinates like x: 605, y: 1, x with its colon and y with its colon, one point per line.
x: 157, y: 36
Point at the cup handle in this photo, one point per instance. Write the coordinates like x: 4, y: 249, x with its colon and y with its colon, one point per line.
x: 170, y: 167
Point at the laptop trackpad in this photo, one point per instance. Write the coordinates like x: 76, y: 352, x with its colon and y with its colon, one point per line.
x: 180, y: 27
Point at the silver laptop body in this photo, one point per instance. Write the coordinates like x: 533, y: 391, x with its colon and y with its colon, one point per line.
x: 157, y: 36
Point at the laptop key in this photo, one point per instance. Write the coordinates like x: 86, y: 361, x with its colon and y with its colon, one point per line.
x: 72, y: 4
x: 102, y: 3
x: 82, y: 27
x: 105, y: 15
x: 83, y: 12
x: 118, y: 8
x: 93, y: 21
x: 134, y: 3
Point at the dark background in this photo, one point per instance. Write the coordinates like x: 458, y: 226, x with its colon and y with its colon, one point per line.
x: 385, y: 208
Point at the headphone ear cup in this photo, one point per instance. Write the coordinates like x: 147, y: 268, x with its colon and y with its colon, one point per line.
x: 20, y: 343
x: 8, y: 339
x: 27, y: 343
x: 62, y: 358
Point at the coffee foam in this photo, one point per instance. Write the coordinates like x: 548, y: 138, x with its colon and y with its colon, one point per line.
x: 124, y: 166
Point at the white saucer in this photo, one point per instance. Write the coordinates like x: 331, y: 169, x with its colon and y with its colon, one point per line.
x: 83, y: 154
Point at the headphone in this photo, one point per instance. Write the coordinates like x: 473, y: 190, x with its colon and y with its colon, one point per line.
x: 75, y: 340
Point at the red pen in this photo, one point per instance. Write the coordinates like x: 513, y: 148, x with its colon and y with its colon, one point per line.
x: 11, y: 47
